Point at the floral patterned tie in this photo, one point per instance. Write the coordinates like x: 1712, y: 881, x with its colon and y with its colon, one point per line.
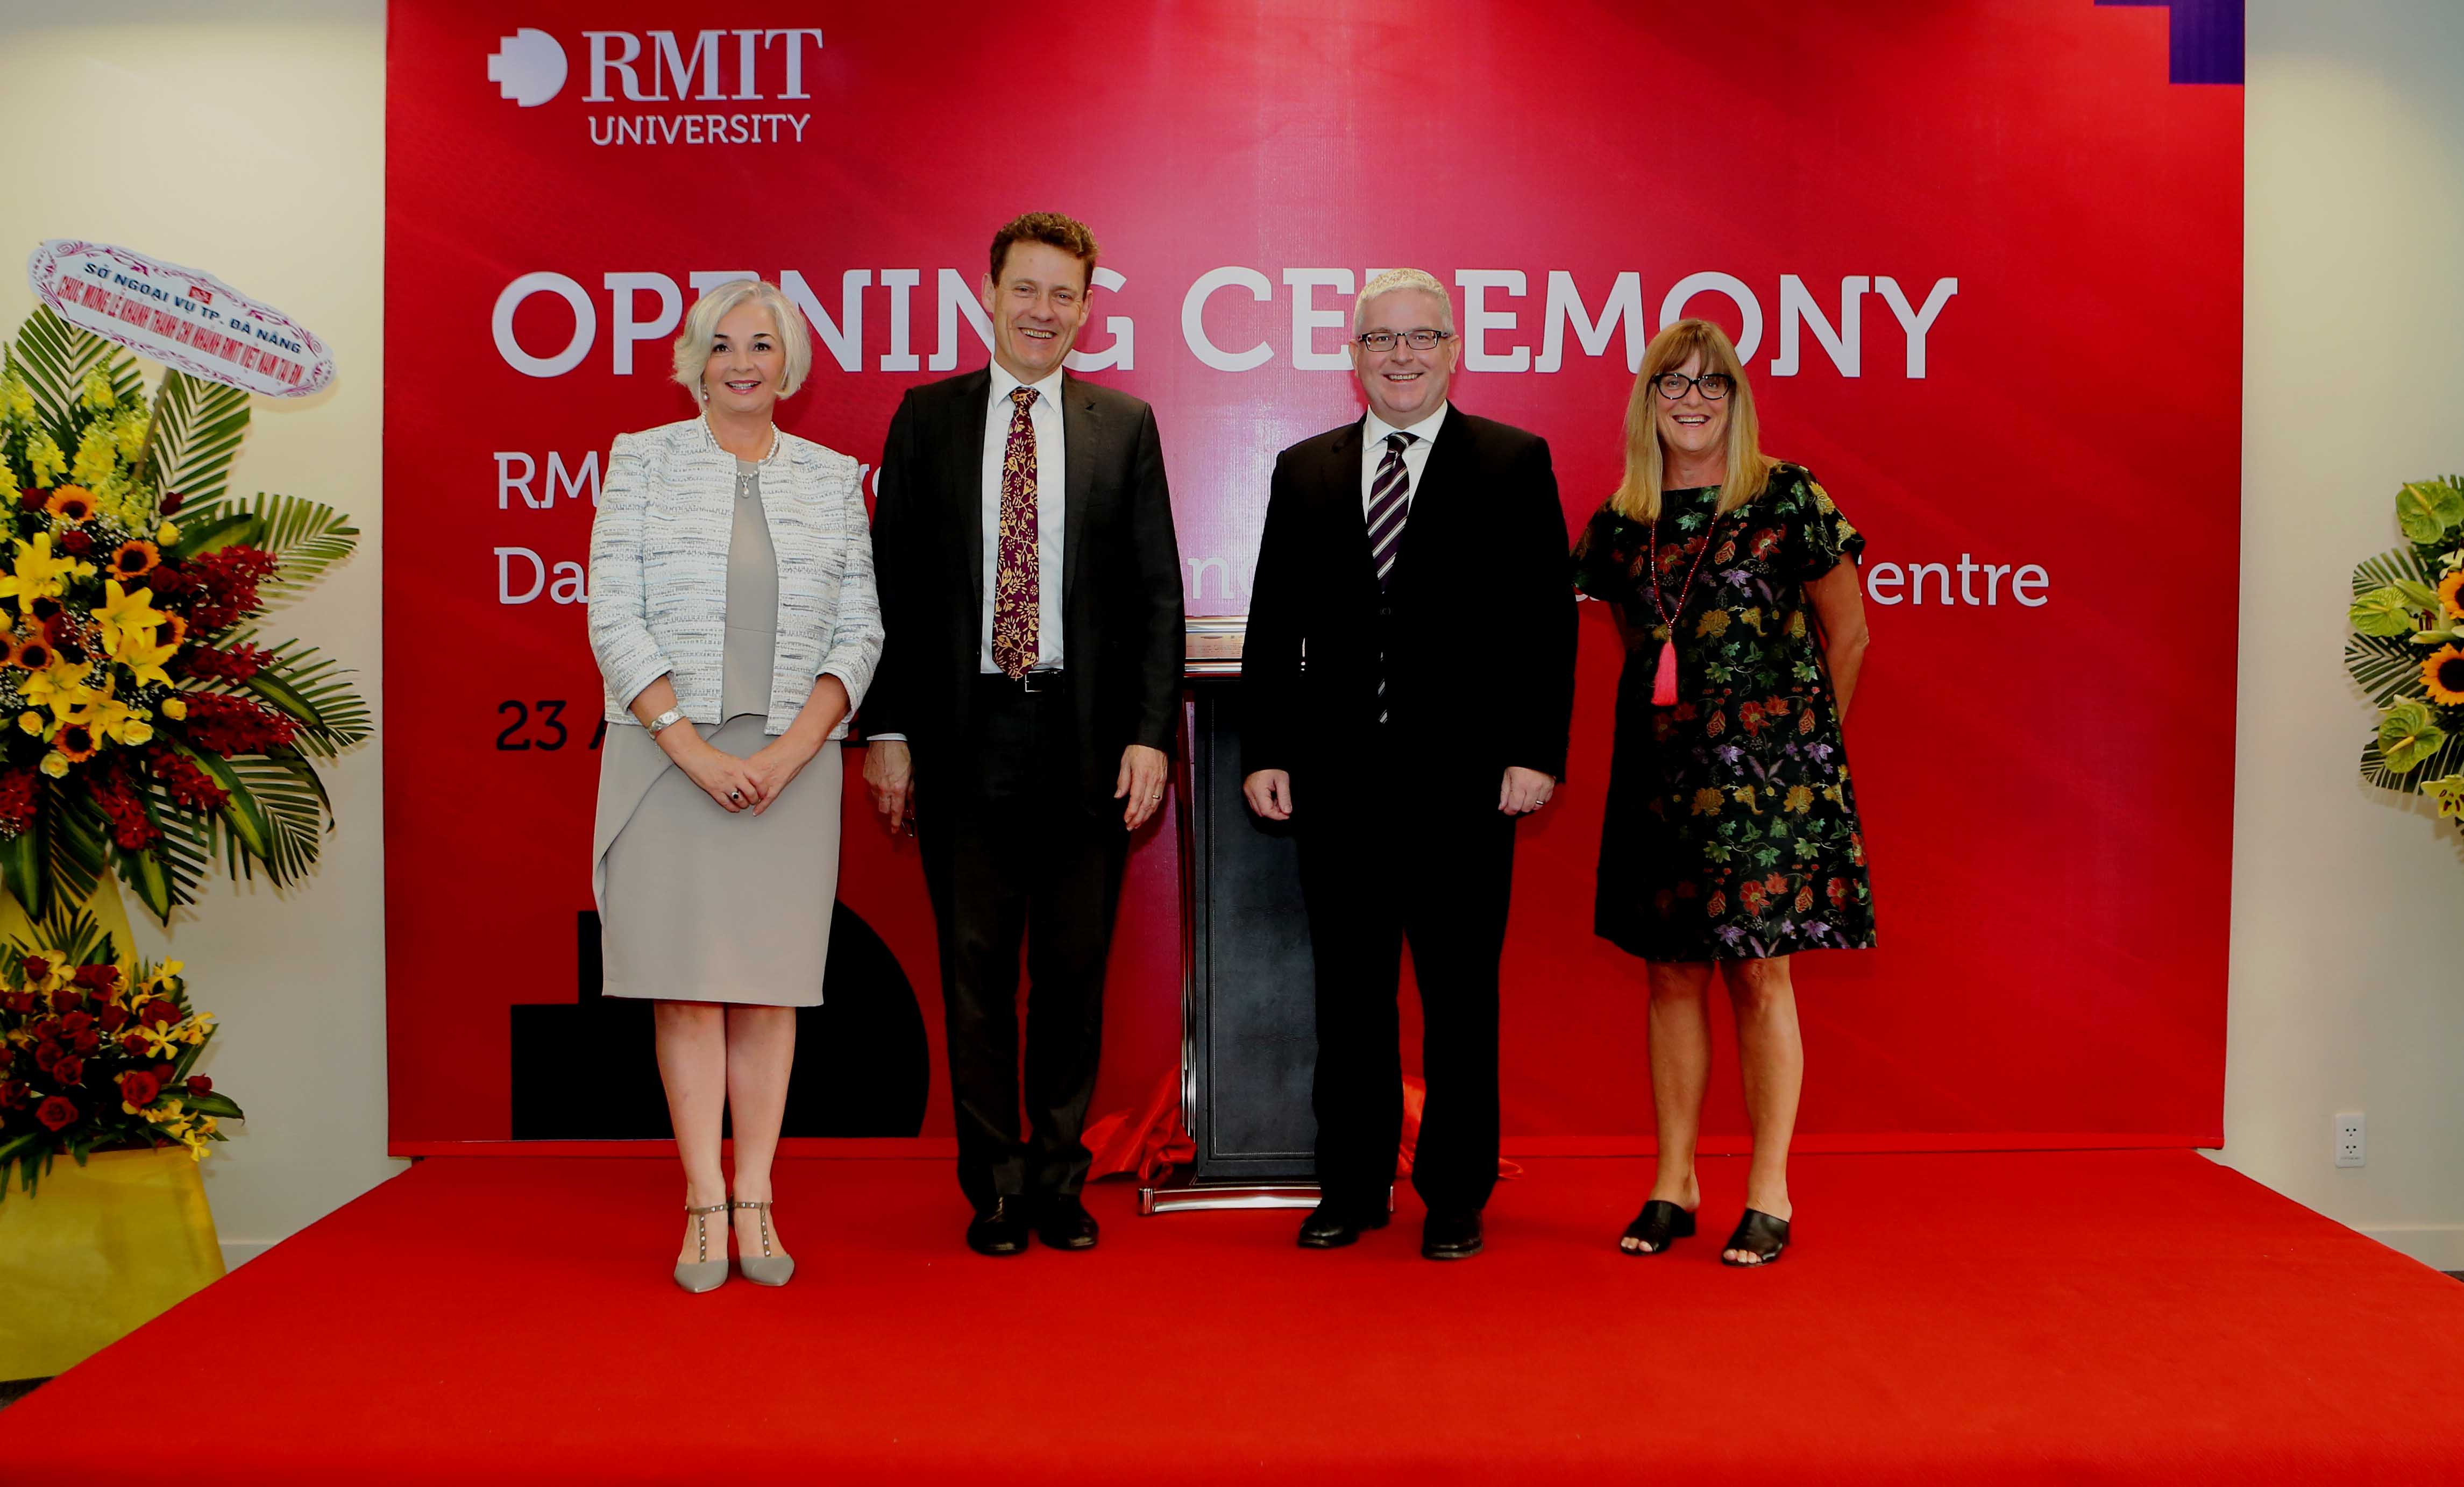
x: 1017, y: 593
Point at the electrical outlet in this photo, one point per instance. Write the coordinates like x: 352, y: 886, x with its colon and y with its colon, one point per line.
x: 2349, y: 1149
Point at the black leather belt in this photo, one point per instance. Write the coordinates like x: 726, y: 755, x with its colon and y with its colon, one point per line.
x: 1033, y: 683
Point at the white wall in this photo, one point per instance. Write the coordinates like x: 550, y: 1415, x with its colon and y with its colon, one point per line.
x: 2347, y: 984
x: 247, y: 140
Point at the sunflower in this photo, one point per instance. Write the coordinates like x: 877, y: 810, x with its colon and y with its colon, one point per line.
x: 2443, y: 674
x: 130, y: 559
x: 8, y: 649
x: 2450, y: 594
x: 76, y: 742
x: 71, y: 504
x: 35, y: 654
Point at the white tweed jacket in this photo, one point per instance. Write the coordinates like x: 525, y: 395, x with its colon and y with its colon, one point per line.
x: 658, y: 571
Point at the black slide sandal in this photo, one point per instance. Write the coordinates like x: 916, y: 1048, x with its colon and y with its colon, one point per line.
x: 1760, y: 1236
x: 1660, y: 1224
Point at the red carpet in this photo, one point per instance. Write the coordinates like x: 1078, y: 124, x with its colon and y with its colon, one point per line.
x: 2046, y: 1317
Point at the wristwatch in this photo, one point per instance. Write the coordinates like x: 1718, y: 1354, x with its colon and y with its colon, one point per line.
x: 660, y: 723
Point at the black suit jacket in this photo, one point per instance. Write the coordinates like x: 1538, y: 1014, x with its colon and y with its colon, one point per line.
x: 1122, y: 637
x: 1476, y: 631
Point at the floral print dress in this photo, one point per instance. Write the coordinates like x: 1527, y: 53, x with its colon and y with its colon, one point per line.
x: 1731, y: 828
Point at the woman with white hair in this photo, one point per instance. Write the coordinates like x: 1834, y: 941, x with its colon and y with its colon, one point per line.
x: 734, y: 619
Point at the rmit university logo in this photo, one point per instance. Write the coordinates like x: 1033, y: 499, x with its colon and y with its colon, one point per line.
x: 678, y: 74
x: 528, y: 67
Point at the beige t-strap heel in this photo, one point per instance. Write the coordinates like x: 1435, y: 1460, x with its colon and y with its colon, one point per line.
x: 704, y: 1273
x: 769, y: 1268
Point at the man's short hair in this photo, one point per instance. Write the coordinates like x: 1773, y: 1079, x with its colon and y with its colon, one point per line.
x: 1392, y: 279
x: 1053, y: 230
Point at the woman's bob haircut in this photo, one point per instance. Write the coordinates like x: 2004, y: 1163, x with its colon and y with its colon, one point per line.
x: 701, y: 327
x: 1637, y: 495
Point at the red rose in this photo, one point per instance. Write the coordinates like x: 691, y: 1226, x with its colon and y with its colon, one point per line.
x: 160, y: 1013
x: 47, y: 1055
x: 67, y: 999
x: 55, y: 1113
x: 113, y: 1017
x: 8, y: 1055
x: 76, y: 1023
x: 132, y: 1042
x: 199, y: 1084
x: 161, y: 1074
x: 18, y: 1002
x: 139, y: 1088
x: 32, y: 499
x: 172, y: 501
x: 75, y: 542
x: 13, y: 1094
x: 37, y: 968
x: 101, y: 978
x: 70, y: 1069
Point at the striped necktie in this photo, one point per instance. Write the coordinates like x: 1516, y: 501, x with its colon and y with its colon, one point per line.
x: 1390, y: 500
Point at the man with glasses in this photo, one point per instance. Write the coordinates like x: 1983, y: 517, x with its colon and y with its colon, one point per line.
x: 1417, y: 558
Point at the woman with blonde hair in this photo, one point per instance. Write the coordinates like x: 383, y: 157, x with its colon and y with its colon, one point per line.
x: 1731, y: 837
x: 734, y: 619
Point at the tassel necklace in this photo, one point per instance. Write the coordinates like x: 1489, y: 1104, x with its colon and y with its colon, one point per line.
x: 1664, y: 681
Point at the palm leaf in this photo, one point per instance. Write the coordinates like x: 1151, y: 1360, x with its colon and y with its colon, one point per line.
x: 198, y: 427
x: 2384, y: 665
x: 308, y: 536
x: 2391, y: 567
x: 2449, y: 759
x: 79, y: 846
x: 53, y: 357
x: 286, y: 808
x: 314, y: 689
x: 292, y: 803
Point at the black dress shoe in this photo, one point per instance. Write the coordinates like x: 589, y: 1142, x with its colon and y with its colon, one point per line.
x: 999, y: 1229
x: 1331, y: 1225
x: 1062, y: 1222
x: 1450, y: 1236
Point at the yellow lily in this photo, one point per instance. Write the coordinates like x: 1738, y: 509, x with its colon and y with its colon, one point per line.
x: 72, y: 701
x: 38, y: 573
x: 127, y: 616
x: 145, y: 658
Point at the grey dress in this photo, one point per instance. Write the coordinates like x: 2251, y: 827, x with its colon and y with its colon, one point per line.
x: 697, y: 905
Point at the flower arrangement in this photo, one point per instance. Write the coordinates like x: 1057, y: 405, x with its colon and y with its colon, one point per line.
x: 144, y: 727
x: 2408, y: 648
x: 96, y: 1053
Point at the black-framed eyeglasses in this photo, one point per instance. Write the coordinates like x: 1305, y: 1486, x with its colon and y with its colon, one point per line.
x: 1714, y: 385
x: 1381, y: 342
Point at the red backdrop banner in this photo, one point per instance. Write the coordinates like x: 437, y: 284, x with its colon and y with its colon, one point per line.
x: 1983, y: 259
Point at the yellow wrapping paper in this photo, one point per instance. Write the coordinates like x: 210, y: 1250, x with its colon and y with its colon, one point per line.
x: 97, y: 1252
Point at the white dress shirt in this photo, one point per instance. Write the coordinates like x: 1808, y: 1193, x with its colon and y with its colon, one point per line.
x: 1416, y: 456
x: 1052, y: 475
